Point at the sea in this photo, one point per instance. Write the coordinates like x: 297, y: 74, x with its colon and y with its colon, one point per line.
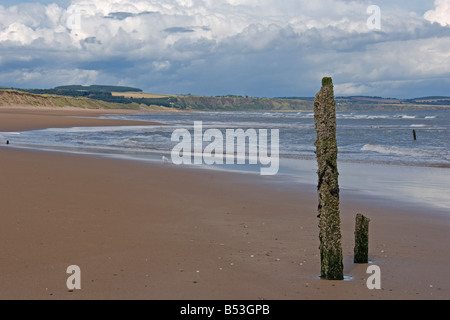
x: 403, y: 156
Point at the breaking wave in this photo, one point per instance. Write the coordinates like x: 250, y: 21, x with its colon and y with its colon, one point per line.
x: 395, y: 150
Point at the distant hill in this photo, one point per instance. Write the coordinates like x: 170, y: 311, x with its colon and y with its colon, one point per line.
x: 177, y: 102
x: 99, y: 88
x: 125, y: 98
x: 229, y: 103
x: 102, y: 96
x: 431, y: 100
x: 296, y: 98
x: 365, y: 103
x: 19, y: 98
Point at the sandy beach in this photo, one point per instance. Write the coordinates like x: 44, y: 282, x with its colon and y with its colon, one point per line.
x: 159, y: 232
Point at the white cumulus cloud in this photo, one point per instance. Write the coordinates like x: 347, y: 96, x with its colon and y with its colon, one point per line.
x: 440, y: 13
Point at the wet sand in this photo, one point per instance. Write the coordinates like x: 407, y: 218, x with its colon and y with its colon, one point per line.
x: 160, y: 232
x: 30, y: 118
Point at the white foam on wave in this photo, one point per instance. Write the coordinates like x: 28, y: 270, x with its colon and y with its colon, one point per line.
x: 362, y: 116
x: 392, y: 150
x: 403, y: 116
x: 4, y: 137
x: 97, y: 129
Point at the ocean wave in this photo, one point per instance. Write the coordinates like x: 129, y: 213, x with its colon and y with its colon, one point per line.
x: 381, y: 116
x: 275, y: 115
x: 403, y: 116
x: 95, y: 129
x: 309, y: 115
x: 362, y: 117
x: 392, y: 150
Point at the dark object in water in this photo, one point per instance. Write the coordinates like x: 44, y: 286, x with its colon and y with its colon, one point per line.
x: 7, y: 141
x: 414, y: 134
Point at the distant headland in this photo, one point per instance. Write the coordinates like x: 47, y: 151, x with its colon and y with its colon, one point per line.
x: 122, y: 97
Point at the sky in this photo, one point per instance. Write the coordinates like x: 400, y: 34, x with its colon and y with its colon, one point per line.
x: 260, y: 48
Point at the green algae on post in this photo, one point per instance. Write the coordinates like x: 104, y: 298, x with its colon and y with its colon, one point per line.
x: 361, y: 250
x: 327, y: 81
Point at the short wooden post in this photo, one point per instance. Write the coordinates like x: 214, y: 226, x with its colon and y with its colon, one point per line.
x: 415, y: 135
x: 361, y: 239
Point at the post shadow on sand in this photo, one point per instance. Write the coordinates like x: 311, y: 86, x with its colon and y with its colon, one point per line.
x: 330, y: 236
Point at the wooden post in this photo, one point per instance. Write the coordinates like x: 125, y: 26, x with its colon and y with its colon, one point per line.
x: 328, y: 188
x: 414, y: 134
x: 361, y: 239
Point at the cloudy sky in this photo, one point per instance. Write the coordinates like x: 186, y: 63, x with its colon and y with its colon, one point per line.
x: 264, y: 48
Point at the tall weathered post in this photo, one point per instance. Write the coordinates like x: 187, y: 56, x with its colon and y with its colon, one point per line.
x: 328, y: 187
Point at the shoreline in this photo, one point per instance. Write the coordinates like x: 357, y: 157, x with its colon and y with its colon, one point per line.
x: 149, y: 231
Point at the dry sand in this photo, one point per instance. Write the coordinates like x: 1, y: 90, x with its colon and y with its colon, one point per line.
x: 147, y: 231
